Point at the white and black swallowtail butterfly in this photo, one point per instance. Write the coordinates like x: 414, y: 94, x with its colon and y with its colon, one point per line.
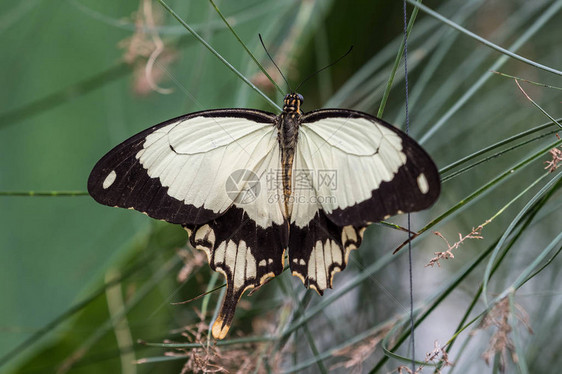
x: 248, y: 186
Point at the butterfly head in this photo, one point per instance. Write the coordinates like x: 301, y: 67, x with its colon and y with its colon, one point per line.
x: 292, y: 103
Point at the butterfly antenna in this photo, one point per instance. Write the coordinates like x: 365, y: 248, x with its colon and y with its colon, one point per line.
x: 325, y: 67
x: 271, y: 58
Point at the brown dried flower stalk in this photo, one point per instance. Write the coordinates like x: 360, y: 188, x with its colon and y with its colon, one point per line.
x: 438, y: 356
x: 143, y: 48
x: 404, y: 369
x: 210, y: 358
x: 476, y: 233
x: 556, y: 155
x: 357, y: 354
x: 500, y: 343
x: 191, y: 261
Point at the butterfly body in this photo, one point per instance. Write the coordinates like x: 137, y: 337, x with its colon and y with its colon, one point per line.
x: 288, y: 127
x: 250, y: 186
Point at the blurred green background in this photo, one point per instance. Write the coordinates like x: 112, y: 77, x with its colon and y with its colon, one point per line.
x: 73, y: 86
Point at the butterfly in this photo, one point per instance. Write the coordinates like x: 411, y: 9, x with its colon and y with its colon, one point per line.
x: 249, y: 186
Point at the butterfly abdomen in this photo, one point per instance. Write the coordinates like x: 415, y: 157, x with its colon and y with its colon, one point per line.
x: 288, y: 128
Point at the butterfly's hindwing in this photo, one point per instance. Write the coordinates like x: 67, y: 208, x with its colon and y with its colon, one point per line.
x: 320, y: 249
x: 244, y: 252
x: 357, y: 170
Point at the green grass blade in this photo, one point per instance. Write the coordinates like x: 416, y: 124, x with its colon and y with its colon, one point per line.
x: 63, y: 317
x: 495, y: 155
x: 44, y: 193
x: 65, y: 95
x: 245, y: 48
x: 532, y: 30
x: 531, y: 214
x: 550, y: 12
x: 218, y: 55
x: 511, y: 226
x: 490, y: 184
x: 497, y: 145
x: 528, y: 273
x: 102, y: 330
x: 537, y: 105
x: 397, y: 61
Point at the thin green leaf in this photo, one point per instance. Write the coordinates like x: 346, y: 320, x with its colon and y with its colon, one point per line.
x: 532, y: 30
x: 510, y: 228
x: 550, y: 12
x: 218, y: 55
x: 397, y: 62
x: 246, y: 48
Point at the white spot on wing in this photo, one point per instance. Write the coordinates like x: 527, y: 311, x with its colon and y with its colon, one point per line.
x: 108, y: 181
x: 362, y: 230
x: 328, y: 254
x: 422, y: 183
x: 311, y: 271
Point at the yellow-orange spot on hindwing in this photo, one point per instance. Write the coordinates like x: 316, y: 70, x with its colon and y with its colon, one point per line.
x: 265, y: 277
x: 220, y: 329
x: 318, y: 291
x: 299, y: 275
x: 336, y: 269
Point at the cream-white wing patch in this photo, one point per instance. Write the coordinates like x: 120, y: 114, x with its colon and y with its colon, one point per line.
x: 325, y: 260
x: 195, y: 158
x: 205, y: 234
x: 203, y: 134
x: 304, y: 199
x: 353, y: 135
x: 324, y: 250
x: 357, y: 153
x: 261, y: 197
x: 236, y: 259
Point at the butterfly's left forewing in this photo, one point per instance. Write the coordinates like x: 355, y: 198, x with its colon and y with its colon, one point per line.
x: 178, y: 171
x: 361, y: 170
x: 207, y: 172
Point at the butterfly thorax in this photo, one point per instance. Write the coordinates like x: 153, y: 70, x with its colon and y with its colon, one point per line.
x: 287, y: 129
